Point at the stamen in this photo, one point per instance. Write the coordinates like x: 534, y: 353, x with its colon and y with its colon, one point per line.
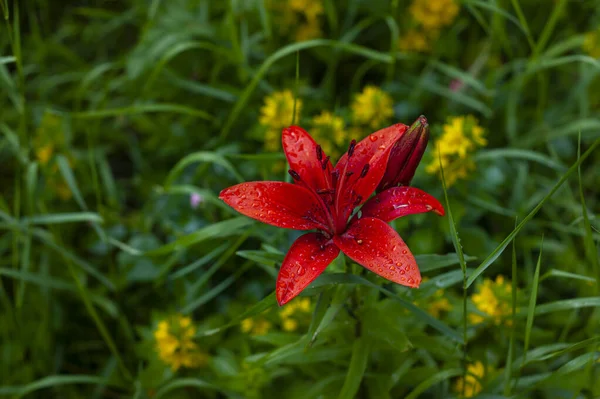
x: 319, y: 153
x: 350, y: 173
x: 335, y: 175
x: 325, y: 191
x: 351, y: 148
x: 294, y: 175
x: 364, y: 171
x: 325, y: 162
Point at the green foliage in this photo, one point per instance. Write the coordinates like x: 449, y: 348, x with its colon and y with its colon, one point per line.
x: 121, y: 121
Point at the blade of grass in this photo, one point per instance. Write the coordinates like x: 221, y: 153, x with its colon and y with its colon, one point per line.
x: 463, y: 267
x: 532, y: 304
x: 511, y: 344
x: 356, y: 371
x: 498, y: 251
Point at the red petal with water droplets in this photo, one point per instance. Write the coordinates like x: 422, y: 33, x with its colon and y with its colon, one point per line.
x: 375, y: 245
x: 396, y: 202
x: 277, y: 203
x: 373, y: 150
x: 309, y: 255
x: 301, y: 152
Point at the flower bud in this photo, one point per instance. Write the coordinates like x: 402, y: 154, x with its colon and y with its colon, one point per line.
x: 406, y: 155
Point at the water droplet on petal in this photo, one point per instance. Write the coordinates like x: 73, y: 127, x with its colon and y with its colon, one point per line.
x: 300, y: 271
x: 373, y: 138
x: 404, y: 251
x: 411, y: 281
x: 428, y: 207
x: 314, y: 269
x: 359, y: 242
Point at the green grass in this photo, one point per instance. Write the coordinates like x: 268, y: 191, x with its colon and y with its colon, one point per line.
x: 144, y: 104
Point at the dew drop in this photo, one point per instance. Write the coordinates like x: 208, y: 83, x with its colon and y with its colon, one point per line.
x: 373, y: 138
x: 359, y: 242
x: 399, y: 264
x: 314, y: 269
x: 402, y: 278
x: 380, y: 269
x: 428, y: 207
x: 411, y: 281
x: 392, y: 268
x: 382, y: 147
x: 404, y: 251
x: 402, y: 272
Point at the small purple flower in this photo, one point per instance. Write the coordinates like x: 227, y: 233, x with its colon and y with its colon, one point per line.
x: 195, y: 200
x: 456, y: 85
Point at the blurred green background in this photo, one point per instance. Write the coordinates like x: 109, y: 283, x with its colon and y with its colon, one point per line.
x: 123, y: 276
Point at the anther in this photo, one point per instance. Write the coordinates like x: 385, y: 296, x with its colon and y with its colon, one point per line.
x: 294, y: 175
x: 335, y: 175
x: 325, y: 162
x: 349, y: 173
x: 365, y: 169
x: 325, y: 191
x: 319, y: 153
x: 351, y: 148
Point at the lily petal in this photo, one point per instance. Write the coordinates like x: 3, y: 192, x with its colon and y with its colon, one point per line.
x: 309, y: 255
x: 396, y: 202
x: 376, y: 246
x: 277, y: 203
x: 365, y: 168
x: 303, y: 154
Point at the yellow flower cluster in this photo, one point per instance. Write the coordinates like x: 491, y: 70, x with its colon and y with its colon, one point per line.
x: 175, y: 343
x: 275, y: 114
x: 372, y: 107
x: 494, y: 299
x: 591, y: 44
x: 470, y: 385
x: 438, y: 304
x: 461, y: 137
x: 300, y: 18
x: 329, y: 131
x: 414, y: 40
x: 48, y: 140
x: 259, y: 326
x: 431, y: 16
x: 290, y: 312
x: 434, y: 14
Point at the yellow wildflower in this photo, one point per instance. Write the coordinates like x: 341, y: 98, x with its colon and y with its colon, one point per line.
x: 276, y: 114
x: 175, y: 343
x: 300, y: 18
x: 439, y: 303
x: 258, y: 326
x: 373, y: 107
x: 470, y: 385
x: 591, y: 44
x: 329, y: 131
x: 44, y: 153
x: 294, y: 312
x: 415, y: 40
x: 434, y: 14
x: 461, y: 137
x: 493, y: 298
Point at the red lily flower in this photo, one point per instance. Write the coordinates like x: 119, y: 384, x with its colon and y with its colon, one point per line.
x: 324, y: 198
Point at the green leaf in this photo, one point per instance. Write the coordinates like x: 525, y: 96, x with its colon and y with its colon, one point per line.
x: 202, y: 156
x: 429, y: 263
x: 532, y: 302
x: 356, y: 371
x: 142, y: 109
x: 53, y: 382
x: 179, y: 383
x: 222, y: 229
x: 433, y: 380
x: 59, y: 218
x: 498, y: 251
